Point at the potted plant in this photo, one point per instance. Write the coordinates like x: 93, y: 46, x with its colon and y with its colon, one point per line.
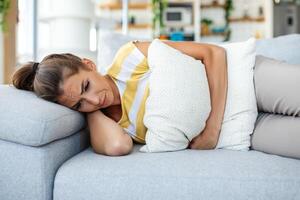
x: 158, y: 8
x: 4, y: 6
x: 205, y: 26
x: 228, y: 9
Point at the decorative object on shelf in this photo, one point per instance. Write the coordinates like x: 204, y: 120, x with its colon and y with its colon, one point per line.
x: 4, y: 6
x: 163, y: 37
x: 205, y: 26
x: 215, y: 2
x: 260, y: 11
x: 158, y: 8
x: 218, y: 30
x: 177, y: 36
x: 228, y: 10
x: 246, y: 10
x: 132, y: 19
x: 258, y: 34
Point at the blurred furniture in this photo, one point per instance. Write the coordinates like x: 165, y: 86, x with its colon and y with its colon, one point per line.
x: 286, y: 18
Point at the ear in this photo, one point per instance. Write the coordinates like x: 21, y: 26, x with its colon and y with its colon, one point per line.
x: 89, y: 64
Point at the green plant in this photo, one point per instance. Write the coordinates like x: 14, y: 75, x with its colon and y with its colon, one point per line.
x: 228, y: 10
x: 158, y: 8
x: 4, y: 6
x: 206, y: 21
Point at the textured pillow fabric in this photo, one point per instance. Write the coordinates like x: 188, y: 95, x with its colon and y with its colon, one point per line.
x: 241, y: 109
x: 30, y: 120
x: 277, y: 92
x: 179, y: 100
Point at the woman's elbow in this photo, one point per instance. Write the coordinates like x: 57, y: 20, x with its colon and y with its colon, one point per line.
x: 119, y: 148
x: 218, y: 51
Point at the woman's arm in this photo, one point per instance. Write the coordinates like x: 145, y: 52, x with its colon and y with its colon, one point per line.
x: 107, y: 137
x: 214, y: 59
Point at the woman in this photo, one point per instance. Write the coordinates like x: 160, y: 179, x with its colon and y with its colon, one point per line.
x: 109, y: 100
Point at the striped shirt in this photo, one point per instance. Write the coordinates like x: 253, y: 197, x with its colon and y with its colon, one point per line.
x: 130, y: 71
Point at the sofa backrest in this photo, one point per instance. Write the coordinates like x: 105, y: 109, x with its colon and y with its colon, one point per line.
x: 285, y: 48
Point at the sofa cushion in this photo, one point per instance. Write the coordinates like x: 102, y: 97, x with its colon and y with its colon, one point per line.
x: 187, y: 174
x: 277, y: 134
x: 285, y: 48
x: 30, y: 120
x: 277, y: 86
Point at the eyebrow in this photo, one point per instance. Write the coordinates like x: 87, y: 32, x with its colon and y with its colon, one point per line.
x: 77, y: 104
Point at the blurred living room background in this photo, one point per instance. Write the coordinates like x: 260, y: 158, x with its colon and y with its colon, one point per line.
x: 31, y: 29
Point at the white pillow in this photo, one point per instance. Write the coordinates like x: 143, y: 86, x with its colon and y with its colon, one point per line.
x: 241, y: 108
x: 179, y: 101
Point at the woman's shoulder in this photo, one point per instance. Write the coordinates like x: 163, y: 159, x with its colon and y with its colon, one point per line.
x: 133, y: 49
x: 127, y: 59
x: 126, y: 47
x: 138, y: 45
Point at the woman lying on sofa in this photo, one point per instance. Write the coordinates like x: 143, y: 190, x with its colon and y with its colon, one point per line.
x: 74, y: 82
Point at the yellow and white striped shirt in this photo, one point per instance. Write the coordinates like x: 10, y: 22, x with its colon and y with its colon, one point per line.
x: 130, y: 72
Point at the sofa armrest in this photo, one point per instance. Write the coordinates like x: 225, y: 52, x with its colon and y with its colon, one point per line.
x: 29, y: 120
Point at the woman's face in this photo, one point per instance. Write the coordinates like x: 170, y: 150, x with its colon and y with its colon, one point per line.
x: 86, y: 91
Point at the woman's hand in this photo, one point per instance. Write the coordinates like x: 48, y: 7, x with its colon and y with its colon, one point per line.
x: 207, y: 139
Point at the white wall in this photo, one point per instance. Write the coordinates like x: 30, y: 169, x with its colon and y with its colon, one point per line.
x: 24, y: 30
x: 64, y: 26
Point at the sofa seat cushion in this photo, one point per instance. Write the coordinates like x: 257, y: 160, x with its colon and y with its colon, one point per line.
x: 188, y: 174
x: 30, y: 120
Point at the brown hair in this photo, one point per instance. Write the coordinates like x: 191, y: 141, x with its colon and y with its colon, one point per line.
x: 47, y: 80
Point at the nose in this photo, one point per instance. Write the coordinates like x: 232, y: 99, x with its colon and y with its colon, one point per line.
x: 92, y: 99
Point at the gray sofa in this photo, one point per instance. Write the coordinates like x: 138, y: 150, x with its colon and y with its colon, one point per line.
x: 45, y: 154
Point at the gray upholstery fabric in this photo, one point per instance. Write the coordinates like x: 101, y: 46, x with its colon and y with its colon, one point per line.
x: 27, y: 173
x: 29, y: 120
x: 188, y: 174
x: 285, y: 48
x: 277, y: 86
x: 277, y: 134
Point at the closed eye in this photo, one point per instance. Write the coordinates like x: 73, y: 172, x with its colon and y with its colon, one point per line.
x: 78, y: 106
x: 85, y: 89
x: 87, y: 86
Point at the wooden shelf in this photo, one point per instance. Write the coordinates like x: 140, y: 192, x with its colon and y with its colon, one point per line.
x: 118, y: 6
x: 135, y: 26
x: 247, y: 19
x: 180, y: 1
x: 213, y: 5
x: 213, y: 34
